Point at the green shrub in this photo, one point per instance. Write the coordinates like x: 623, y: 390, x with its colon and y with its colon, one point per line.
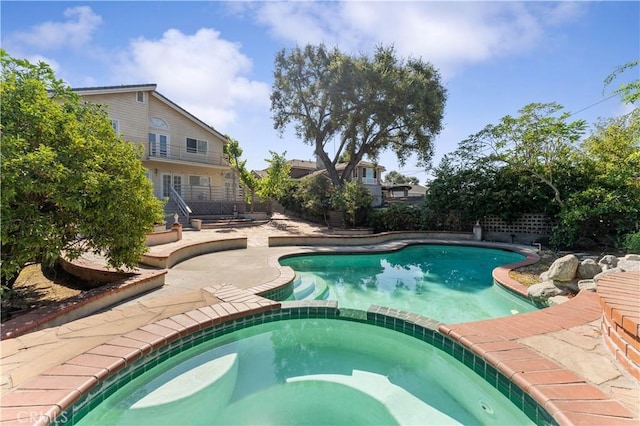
x: 398, y: 217
x: 632, y: 243
x: 353, y: 199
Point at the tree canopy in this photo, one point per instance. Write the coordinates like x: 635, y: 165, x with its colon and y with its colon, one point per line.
x: 69, y: 183
x: 273, y: 185
x: 539, y: 141
x: 234, y: 152
x: 399, y: 179
x: 369, y: 104
x: 630, y: 91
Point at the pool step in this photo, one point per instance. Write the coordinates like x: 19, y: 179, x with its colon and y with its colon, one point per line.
x: 196, y: 382
x: 309, y: 287
x: 402, y: 405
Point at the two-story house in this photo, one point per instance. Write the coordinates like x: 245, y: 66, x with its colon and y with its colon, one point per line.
x: 183, y: 155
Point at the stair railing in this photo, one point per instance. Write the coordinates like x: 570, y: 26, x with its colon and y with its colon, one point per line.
x: 182, y: 205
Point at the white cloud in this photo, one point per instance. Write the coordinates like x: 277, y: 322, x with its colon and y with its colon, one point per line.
x: 76, y: 30
x: 201, y: 72
x: 448, y: 34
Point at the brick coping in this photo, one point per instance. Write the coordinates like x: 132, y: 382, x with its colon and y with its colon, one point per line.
x: 619, y: 297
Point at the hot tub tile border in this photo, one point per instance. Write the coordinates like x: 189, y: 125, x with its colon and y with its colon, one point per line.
x: 413, y: 325
x: 489, y: 358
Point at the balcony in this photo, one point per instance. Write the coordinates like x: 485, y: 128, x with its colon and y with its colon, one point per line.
x: 173, y: 152
x: 208, y: 193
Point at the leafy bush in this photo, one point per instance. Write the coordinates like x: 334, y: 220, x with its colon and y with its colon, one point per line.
x: 398, y: 217
x: 354, y: 200
x: 289, y: 198
x: 314, y: 193
x: 632, y: 243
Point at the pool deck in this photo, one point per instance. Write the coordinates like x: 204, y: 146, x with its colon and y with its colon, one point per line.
x: 558, y: 355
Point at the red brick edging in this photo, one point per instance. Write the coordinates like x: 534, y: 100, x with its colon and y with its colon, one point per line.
x: 620, y: 301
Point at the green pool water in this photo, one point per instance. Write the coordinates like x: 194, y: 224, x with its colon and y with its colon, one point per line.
x: 308, y: 372
x: 451, y: 284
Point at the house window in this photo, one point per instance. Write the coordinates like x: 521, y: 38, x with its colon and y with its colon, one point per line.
x: 364, y: 173
x: 158, y: 145
x: 375, y: 173
x: 116, y: 126
x: 355, y: 173
x: 196, y: 146
x: 140, y: 97
x: 158, y: 123
x: 199, y: 180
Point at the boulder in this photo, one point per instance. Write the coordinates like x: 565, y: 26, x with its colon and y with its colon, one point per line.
x: 607, y: 272
x: 556, y: 300
x: 588, y: 269
x: 632, y: 257
x: 608, y: 262
x: 587, y: 285
x: 628, y: 265
x: 567, y: 286
x: 563, y: 269
x: 541, y: 292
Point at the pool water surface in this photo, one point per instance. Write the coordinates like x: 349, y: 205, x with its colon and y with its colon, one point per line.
x: 451, y: 284
x: 308, y: 371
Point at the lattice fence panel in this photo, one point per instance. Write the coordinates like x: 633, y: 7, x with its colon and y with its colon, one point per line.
x: 528, y: 224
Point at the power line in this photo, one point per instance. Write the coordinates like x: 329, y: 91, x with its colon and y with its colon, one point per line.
x: 483, y: 151
x: 592, y: 105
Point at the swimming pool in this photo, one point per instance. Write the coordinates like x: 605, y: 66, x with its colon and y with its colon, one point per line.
x: 451, y: 284
x: 307, y: 371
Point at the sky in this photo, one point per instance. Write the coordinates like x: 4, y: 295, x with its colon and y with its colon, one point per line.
x: 216, y: 59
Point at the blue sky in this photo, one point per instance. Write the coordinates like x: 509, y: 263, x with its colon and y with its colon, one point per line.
x: 216, y: 58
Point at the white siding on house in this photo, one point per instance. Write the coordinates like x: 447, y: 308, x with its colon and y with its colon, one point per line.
x: 132, y: 116
x: 182, y: 128
x: 133, y: 119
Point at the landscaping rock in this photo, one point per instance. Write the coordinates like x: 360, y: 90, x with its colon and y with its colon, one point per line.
x: 607, y: 272
x: 556, y: 300
x: 541, y: 292
x: 567, y: 286
x: 630, y: 262
x: 608, y: 262
x: 588, y: 269
x: 587, y: 285
x: 563, y: 269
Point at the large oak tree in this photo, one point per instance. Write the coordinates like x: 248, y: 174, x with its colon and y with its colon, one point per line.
x: 370, y: 104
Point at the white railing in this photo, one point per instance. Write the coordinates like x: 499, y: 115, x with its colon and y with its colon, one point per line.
x: 210, y: 193
x: 182, y: 205
x: 369, y: 181
x: 177, y: 152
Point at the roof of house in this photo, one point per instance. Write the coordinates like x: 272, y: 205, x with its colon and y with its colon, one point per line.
x: 302, y: 164
x: 150, y: 87
x: 341, y: 166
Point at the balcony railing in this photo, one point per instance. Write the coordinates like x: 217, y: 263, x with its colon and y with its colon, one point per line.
x: 208, y: 193
x: 156, y: 151
x: 369, y: 181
